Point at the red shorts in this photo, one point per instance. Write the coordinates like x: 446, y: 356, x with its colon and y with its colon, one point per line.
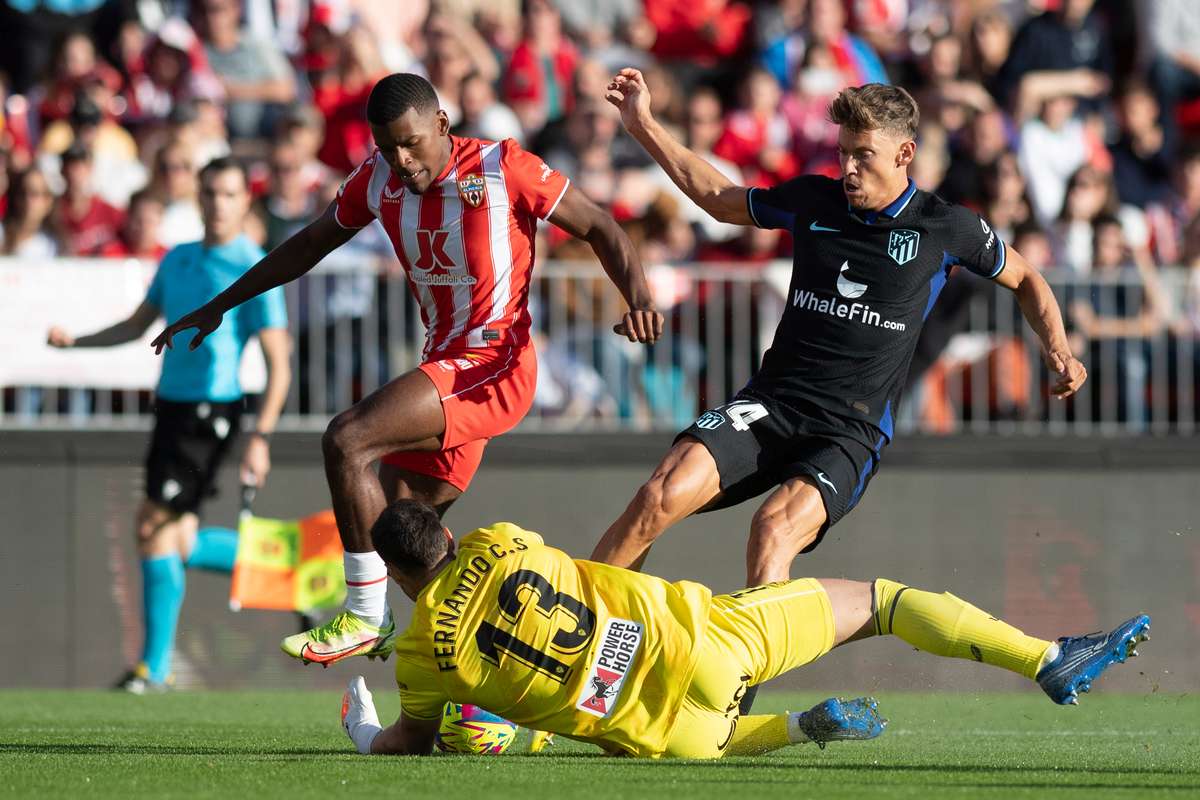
x: 485, y: 392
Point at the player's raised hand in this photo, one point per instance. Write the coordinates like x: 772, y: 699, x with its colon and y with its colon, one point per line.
x: 202, y: 319
x: 58, y: 337
x: 640, y: 325
x: 627, y: 91
x: 1071, y: 374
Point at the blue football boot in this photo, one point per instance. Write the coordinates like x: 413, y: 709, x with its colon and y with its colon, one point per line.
x: 1082, y: 659
x: 836, y: 720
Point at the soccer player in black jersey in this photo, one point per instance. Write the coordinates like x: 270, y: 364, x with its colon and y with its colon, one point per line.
x: 872, y: 252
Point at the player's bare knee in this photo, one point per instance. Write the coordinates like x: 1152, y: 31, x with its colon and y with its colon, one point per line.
x: 340, y: 442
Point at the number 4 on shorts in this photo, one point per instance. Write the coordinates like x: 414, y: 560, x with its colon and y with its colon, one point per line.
x: 742, y: 414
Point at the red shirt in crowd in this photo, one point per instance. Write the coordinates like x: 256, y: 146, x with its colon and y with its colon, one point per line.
x: 88, y: 233
x: 525, y: 80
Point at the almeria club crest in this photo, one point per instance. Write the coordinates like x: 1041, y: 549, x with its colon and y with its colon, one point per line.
x: 473, y: 190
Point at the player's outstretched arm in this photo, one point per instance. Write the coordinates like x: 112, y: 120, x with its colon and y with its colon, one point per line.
x: 127, y: 330
x: 580, y: 217
x: 284, y: 264
x: 1043, y: 315
x: 717, y: 195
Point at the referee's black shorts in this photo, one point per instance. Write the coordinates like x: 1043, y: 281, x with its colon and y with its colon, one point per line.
x: 189, y: 443
x: 758, y: 443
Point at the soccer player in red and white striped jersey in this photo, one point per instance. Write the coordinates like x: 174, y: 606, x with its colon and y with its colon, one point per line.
x: 462, y: 215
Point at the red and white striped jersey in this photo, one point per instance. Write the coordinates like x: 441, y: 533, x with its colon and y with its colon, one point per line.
x: 467, y: 243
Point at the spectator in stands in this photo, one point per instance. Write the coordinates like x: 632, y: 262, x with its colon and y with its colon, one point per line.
x: 173, y: 69
x: 1142, y: 157
x: 756, y: 135
x: 947, y: 96
x: 985, y: 140
x: 1031, y: 240
x: 928, y: 168
x: 199, y: 123
x: 139, y: 237
x: 1090, y: 195
x: 989, y: 42
x: 806, y: 104
x: 28, y: 228
x: 1053, y: 146
x: 597, y: 24
x: 76, y: 67
x: 538, y: 82
x: 454, y: 52
x: 1171, y: 220
x: 1005, y: 198
x: 698, y: 33
x: 1062, y: 51
x: 340, y: 93
x: 1175, y: 67
x: 1124, y: 308
x: 257, y: 78
x: 87, y: 223
x: 291, y: 203
x: 826, y: 27
x: 303, y: 126
x: 118, y: 172
x: 702, y: 128
x: 175, y: 183
x: 591, y: 126
x: 483, y: 116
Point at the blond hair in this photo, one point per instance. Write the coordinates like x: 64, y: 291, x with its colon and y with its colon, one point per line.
x: 876, y: 106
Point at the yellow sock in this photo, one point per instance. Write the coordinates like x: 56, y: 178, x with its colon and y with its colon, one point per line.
x: 759, y: 733
x: 944, y: 625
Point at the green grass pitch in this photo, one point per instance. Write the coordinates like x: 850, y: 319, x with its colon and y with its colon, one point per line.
x: 243, y: 745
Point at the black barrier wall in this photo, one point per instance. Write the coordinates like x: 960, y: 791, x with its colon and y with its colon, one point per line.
x: 1056, y: 537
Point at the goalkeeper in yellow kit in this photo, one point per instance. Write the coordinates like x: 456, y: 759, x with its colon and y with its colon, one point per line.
x: 643, y: 667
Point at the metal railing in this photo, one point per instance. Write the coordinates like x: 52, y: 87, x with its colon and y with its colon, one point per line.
x: 356, y: 328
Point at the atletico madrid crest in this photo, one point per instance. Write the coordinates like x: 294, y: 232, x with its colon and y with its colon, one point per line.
x: 472, y: 189
x: 902, y: 246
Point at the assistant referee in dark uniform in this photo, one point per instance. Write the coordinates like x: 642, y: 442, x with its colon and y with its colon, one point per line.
x: 872, y: 252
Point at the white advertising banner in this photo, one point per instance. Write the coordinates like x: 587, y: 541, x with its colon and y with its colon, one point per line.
x: 84, y: 296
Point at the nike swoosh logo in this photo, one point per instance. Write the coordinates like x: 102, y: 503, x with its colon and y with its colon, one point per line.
x: 821, y: 477
x: 813, y: 226
x: 310, y: 652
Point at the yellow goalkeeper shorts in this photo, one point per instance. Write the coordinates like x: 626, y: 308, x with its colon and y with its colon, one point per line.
x: 753, y: 636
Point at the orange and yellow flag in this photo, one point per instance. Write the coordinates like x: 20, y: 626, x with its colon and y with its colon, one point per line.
x: 288, y: 565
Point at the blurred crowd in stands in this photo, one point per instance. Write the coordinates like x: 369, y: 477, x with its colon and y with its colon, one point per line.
x: 1073, y: 126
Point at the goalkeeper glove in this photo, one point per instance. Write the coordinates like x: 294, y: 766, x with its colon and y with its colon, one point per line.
x: 359, y: 719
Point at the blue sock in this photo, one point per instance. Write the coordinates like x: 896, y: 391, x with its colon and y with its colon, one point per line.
x: 216, y: 549
x: 162, y: 597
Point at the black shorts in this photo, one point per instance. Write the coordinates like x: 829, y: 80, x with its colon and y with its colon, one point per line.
x: 758, y: 443
x: 189, y: 442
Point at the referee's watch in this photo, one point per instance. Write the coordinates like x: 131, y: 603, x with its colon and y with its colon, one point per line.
x: 266, y: 437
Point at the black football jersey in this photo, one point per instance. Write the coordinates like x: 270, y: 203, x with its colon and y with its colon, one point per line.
x: 862, y: 285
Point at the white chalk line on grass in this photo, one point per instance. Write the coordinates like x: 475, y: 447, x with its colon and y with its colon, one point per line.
x: 994, y: 732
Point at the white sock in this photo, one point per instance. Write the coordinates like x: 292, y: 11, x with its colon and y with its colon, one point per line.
x: 795, y: 735
x: 366, y: 586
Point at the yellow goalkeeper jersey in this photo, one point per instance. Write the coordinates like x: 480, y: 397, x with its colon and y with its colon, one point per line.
x: 582, y: 649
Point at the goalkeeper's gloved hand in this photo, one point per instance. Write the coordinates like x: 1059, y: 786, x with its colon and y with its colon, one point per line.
x: 359, y: 719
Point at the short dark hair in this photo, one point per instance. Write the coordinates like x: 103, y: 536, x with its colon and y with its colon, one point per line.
x: 408, y: 535
x: 396, y: 94
x: 876, y: 106
x: 222, y: 164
